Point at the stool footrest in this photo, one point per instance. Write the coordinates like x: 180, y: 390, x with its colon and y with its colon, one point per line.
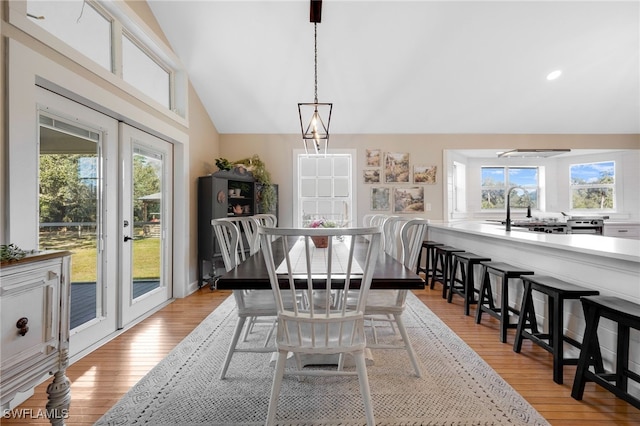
x: 602, y: 380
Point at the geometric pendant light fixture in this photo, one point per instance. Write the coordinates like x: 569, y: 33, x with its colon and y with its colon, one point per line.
x: 315, y: 117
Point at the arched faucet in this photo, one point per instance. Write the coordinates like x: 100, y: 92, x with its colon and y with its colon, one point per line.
x: 508, y: 221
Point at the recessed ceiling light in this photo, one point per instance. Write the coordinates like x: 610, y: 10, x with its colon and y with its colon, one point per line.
x: 554, y: 74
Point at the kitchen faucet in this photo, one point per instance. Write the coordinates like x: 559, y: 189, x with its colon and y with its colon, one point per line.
x: 508, y: 221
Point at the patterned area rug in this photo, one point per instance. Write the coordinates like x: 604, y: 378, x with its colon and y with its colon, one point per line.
x: 457, y: 387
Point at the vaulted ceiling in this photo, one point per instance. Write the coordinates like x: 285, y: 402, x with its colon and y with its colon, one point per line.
x: 413, y: 66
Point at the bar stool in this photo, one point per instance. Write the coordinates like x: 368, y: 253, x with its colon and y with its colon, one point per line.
x: 429, y: 250
x: 557, y: 292
x: 442, y: 267
x: 627, y: 315
x: 485, y: 300
x: 464, y: 262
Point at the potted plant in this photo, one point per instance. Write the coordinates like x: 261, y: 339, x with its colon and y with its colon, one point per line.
x: 260, y: 173
x: 321, y: 242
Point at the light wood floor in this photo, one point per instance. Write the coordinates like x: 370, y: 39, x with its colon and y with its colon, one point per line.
x: 100, y: 379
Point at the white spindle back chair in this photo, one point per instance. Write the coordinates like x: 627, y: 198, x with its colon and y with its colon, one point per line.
x: 250, y: 303
x: 329, y: 325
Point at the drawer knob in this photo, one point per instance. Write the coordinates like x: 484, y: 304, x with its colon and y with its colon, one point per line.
x: 22, y: 325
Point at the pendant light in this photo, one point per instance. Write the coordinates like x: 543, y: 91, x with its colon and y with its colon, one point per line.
x: 315, y: 117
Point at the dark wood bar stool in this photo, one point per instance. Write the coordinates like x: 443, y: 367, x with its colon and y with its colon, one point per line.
x: 627, y: 315
x: 462, y: 278
x: 485, y: 300
x: 429, y: 252
x: 557, y: 292
x: 442, y: 267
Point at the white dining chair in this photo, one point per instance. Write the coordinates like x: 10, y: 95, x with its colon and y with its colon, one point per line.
x: 391, y: 230
x: 269, y: 220
x: 388, y: 305
x: 332, y: 327
x: 266, y: 219
x: 250, y: 304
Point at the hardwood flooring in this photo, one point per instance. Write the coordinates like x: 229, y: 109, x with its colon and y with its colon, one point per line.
x: 101, y: 378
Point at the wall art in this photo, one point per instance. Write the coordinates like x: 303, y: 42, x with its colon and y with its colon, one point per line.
x: 371, y: 175
x: 380, y: 198
x: 424, y: 174
x: 408, y: 199
x: 396, y: 167
x: 373, y: 158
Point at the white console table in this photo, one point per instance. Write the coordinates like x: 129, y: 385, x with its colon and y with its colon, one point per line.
x: 34, y: 314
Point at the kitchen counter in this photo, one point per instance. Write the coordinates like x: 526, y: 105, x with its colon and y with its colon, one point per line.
x: 607, y: 264
x: 596, y: 245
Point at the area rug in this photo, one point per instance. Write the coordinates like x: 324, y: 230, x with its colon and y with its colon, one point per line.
x: 456, y: 388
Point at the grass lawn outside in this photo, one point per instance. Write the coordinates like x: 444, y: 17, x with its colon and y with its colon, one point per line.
x: 146, y: 252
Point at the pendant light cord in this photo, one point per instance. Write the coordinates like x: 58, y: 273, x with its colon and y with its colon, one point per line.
x: 315, y: 59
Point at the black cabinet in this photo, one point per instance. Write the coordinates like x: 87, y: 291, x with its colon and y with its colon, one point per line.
x: 224, y: 194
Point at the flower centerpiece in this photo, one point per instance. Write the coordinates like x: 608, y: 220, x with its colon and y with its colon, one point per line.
x: 321, y: 242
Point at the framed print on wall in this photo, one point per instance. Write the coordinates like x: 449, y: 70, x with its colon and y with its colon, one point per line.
x: 408, y: 199
x: 371, y: 175
x: 396, y: 167
x: 373, y: 158
x: 424, y: 174
x: 380, y: 198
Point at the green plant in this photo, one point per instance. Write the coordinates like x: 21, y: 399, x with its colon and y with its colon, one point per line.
x: 9, y: 252
x: 260, y: 173
x: 223, y: 164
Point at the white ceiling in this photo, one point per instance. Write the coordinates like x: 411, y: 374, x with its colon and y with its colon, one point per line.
x: 413, y: 66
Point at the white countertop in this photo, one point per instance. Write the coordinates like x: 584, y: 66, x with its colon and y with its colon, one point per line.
x: 597, y: 245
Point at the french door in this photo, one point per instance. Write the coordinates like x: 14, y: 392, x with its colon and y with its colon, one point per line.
x: 78, y: 180
x: 146, y: 199
x: 95, y: 175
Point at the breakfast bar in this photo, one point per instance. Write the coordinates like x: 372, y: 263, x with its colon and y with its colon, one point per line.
x: 609, y: 265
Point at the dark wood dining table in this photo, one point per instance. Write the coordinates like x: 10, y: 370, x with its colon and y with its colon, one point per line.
x: 252, y: 274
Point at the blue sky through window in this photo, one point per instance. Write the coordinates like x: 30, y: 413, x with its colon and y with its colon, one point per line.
x: 591, y: 172
x: 518, y: 176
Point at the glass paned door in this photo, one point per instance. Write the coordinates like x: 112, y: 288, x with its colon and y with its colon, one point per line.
x: 77, y: 174
x: 69, y: 208
x: 146, y: 218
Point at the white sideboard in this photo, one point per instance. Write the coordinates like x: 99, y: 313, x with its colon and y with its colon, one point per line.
x: 34, y: 314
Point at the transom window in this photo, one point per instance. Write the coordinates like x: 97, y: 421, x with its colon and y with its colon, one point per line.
x: 79, y: 24
x: 496, y: 180
x: 100, y: 34
x: 593, y: 186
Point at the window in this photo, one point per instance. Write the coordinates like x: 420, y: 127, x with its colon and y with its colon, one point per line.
x: 496, y: 180
x: 459, y: 187
x: 142, y: 71
x: 325, y: 188
x: 78, y: 24
x: 592, y: 186
x: 107, y: 35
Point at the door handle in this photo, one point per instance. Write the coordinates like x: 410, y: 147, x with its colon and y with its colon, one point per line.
x: 127, y: 238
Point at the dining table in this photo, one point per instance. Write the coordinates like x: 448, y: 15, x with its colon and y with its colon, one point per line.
x: 389, y: 274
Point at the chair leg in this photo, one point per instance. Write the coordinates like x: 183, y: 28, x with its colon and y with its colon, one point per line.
x: 407, y: 344
x: 249, y: 328
x: 361, y: 367
x: 275, y: 387
x: 273, y: 327
x: 232, y: 346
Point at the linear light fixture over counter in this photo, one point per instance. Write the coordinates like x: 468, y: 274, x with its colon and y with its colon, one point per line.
x: 532, y: 153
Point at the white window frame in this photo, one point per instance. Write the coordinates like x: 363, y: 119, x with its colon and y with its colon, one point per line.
x: 611, y: 186
x: 124, y: 19
x: 507, y: 184
x: 351, y: 214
